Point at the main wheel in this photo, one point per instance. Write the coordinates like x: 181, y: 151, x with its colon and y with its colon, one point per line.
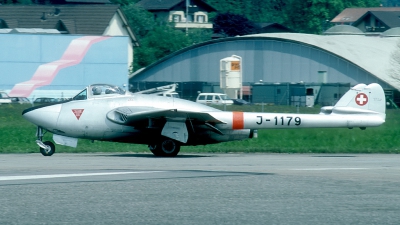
x: 155, y: 150
x: 165, y: 147
x: 49, y: 150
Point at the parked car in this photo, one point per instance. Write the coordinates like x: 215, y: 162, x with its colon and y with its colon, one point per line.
x: 240, y: 102
x: 20, y: 100
x: 214, y: 98
x: 4, y: 98
x: 45, y: 100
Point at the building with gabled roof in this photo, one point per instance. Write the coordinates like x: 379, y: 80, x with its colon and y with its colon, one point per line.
x: 369, y: 20
x: 193, y: 15
x: 81, y: 19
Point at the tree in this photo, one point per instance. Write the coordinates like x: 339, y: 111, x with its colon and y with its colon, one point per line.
x: 140, y: 20
x: 159, y: 42
x: 230, y: 24
x: 199, y: 35
x: 157, y: 38
x: 254, y: 10
x: 308, y: 16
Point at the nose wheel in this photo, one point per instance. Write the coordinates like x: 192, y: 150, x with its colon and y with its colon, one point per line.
x: 47, y: 148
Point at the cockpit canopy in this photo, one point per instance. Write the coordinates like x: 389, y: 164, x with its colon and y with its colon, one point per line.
x: 99, y: 91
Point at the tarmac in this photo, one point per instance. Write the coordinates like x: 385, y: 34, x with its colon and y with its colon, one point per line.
x: 123, y: 188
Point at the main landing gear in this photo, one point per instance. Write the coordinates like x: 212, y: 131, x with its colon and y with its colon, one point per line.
x: 165, y: 147
x: 47, y: 148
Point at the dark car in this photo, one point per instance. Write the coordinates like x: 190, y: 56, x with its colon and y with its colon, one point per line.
x: 240, y: 102
x: 45, y: 100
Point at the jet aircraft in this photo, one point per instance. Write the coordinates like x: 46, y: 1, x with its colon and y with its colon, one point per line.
x: 109, y: 113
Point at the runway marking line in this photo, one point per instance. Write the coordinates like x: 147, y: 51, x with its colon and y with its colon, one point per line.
x: 50, y: 176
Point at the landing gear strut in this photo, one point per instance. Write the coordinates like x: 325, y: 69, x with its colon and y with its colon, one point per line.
x: 166, y: 147
x: 47, y: 148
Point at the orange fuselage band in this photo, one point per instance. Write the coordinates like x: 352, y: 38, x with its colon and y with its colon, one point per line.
x: 237, y: 120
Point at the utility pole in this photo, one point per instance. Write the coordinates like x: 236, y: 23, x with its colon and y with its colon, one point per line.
x: 187, y: 16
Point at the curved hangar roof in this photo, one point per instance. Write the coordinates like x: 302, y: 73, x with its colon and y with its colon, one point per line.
x: 285, y: 57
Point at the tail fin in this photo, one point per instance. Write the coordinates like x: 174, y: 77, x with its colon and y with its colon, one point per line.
x: 363, y: 99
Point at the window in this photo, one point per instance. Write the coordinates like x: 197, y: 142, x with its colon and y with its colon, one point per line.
x: 209, y: 97
x: 201, y: 19
x: 80, y: 96
x: 224, y: 97
x: 176, y: 18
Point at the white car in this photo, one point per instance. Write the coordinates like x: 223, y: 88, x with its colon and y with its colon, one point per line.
x: 4, y: 98
x: 214, y: 98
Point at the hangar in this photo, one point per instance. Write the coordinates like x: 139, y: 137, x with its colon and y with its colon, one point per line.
x: 60, y: 66
x: 280, y: 58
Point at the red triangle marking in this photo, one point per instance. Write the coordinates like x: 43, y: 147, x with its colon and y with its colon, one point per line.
x: 78, y: 113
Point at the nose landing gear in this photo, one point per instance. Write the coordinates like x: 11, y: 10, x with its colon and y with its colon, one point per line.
x: 47, y: 148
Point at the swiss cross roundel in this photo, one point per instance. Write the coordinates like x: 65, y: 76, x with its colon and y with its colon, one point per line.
x: 361, y: 99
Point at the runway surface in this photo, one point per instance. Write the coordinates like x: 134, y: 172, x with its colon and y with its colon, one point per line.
x: 199, y: 189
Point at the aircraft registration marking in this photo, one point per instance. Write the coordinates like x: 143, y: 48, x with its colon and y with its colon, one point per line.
x: 288, y: 120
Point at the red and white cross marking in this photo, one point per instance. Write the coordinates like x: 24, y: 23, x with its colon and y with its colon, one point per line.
x: 361, y: 99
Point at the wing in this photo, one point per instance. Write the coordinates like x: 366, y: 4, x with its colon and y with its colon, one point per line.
x: 132, y: 115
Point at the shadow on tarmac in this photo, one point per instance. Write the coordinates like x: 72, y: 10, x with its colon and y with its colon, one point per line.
x: 146, y: 155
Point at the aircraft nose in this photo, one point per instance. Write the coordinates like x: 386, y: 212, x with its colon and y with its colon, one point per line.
x: 44, y: 116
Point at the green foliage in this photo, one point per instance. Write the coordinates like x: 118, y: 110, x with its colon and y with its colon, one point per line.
x: 159, y: 42
x: 199, y: 35
x: 158, y: 38
x: 140, y: 20
x: 361, y: 3
x: 18, y: 136
x: 308, y: 16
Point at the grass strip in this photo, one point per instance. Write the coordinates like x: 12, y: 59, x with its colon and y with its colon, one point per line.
x: 18, y: 136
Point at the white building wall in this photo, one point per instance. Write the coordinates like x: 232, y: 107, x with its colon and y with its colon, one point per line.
x: 116, y: 28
